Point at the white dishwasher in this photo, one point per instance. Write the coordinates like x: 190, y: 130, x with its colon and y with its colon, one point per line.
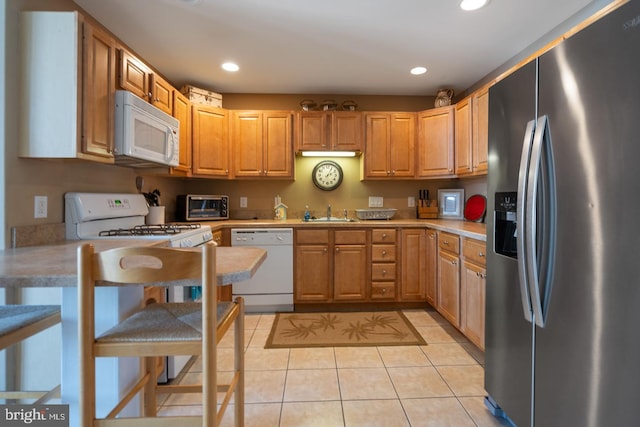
x: 271, y: 288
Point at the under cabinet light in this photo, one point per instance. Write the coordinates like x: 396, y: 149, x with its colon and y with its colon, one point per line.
x: 470, y: 5
x: 328, y: 153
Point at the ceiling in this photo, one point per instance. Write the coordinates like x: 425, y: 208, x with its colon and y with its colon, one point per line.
x: 363, y: 47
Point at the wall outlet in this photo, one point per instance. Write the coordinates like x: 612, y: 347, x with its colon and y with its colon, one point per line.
x: 40, y: 207
x: 376, y: 202
x: 243, y: 202
x: 411, y: 202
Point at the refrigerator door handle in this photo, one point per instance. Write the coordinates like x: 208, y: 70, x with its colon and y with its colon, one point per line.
x: 521, y: 210
x: 540, y: 258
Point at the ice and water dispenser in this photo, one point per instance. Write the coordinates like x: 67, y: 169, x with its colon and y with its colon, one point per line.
x: 505, y: 224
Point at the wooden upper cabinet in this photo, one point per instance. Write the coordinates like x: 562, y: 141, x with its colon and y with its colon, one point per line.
x: 182, y: 112
x: 278, y: 144
x: 312, y: 131
x: 389, y: 145
x: 161, y: 93
x: 346, y: 130
x: 480, y: 131
x: 262, y: 144
x: 463, y: 136
x: 99, y: 80
x: 325, y: 131
x: 210, y: 141
x: 134, y: 75
x: 436, y: 142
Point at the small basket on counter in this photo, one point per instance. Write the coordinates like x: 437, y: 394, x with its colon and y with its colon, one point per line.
x: 375, y: 213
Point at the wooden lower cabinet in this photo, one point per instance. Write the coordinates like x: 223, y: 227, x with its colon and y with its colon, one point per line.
x: 383, y: 264
x: 449, y: 277
x: 312, y: 266
x: 473, y: 288
x: 431, y: 267
x: 331, y: 265
x: 349, y: 272
x: 412, y: 282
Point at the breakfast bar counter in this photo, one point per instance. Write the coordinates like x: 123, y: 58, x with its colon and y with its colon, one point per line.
x: 56, y: 265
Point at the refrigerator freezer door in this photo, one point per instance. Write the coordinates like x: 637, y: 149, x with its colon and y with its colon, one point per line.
x: 586, y: 371
x: 508, y: 335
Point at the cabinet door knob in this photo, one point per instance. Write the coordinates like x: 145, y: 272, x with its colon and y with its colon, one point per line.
x: 384, y: 253
x: 480, y: 254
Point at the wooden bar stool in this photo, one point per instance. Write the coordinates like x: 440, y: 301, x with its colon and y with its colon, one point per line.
x: 19, y: 322
x: 161, y: 329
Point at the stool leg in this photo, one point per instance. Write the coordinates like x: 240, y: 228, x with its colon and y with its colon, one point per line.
x: 239, y: 365
x: 150, y: 401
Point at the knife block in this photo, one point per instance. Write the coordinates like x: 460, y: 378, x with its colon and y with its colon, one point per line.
x: 430, y: 211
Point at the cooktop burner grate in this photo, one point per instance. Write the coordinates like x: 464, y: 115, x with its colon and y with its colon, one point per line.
x: 150, y: 230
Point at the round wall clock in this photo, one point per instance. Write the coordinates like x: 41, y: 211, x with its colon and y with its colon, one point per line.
x: 327, y: 175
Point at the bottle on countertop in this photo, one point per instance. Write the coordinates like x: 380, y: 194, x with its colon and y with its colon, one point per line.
x: 307, y: 214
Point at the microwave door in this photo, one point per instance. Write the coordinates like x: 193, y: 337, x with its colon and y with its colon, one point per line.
x: 154, y: 140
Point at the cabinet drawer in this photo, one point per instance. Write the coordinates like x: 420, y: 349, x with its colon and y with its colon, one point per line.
x: 449, y: 242
x: 383, y: 235
x: 382, y: 272
x: 382, y: 253
x: 475, y: 251
x: 312, y: 236
x: 384, y: 290
x: 354, y: 237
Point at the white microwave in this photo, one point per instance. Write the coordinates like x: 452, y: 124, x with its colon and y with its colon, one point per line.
x: 145, y: 136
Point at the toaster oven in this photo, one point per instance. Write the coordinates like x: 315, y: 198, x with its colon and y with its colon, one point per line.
x: 200, y: 207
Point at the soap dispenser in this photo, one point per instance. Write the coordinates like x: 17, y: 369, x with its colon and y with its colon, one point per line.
x: 307, y: 214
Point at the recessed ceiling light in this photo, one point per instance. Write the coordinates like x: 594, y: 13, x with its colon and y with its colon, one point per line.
x: 416, y: 71
x: 191, y: 2
x: 469, y: 5
x: 230, y: 66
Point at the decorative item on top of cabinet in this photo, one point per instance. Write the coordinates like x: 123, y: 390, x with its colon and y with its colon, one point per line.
x: 412, y: 281
x: 73, y: 116
x: 436, y: 143
x: 383, y: 264
x: 262, y: 144
x: 432, y: 267
x: 210, y: 140
x: 472, y: 292
x: 389, y: 145
x: 329, y: 131
x: 443, y: 98
x: 449, y: 277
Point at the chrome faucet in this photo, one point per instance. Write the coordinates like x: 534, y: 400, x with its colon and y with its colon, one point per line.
x: 328, y: 211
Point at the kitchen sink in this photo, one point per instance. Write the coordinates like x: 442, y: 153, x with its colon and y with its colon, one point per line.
x: 332, y: 219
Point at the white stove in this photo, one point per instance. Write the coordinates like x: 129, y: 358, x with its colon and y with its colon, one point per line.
x: 122, y: 216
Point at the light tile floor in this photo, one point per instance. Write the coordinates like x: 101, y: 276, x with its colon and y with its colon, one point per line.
x: 437, y: 385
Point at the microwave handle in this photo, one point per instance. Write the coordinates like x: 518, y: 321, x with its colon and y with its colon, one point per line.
x: 172, y: 145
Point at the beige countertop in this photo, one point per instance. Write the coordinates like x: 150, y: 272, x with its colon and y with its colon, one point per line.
x: 474, y: 230
x: 55, y: 265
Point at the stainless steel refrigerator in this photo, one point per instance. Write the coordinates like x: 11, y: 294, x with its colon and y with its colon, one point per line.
x: 563, y: 266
